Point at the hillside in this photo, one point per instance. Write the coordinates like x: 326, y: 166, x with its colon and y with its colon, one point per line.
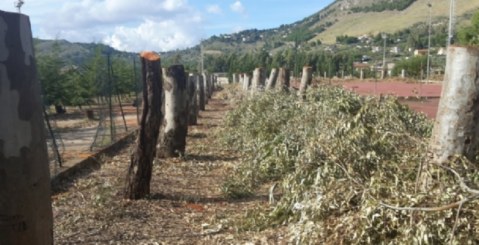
x: 346, y: 22
x: 342, y: 17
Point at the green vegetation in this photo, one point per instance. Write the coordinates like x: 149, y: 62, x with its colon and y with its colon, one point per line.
x: 415, y: 67
x: 345, y: 39
x: 469, y: 35
x: 337, y: 157
x: 384, y: 5
x: 71, y: 85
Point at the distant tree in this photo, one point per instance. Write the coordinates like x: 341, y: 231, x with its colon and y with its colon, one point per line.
x: 414, y: 67
x: 469, y: 35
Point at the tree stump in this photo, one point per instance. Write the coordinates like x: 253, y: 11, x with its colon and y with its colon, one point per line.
x: 174, y: 128
x: 305, y: 81
x: 201, y: 92
x: 192, y: 100
x: 257, y: 83
x: 246, y: 81
x: 282, y: 83
x: 206, y: 80
x: 139, y: 172
x: 25, y: 195
x: 456, y: 130
x: 272, y: 79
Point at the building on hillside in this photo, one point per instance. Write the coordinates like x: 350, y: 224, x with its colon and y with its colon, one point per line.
x: 396, y: 50
x: 376, y: 49
x: 442, y: 51
x: 420, y: 52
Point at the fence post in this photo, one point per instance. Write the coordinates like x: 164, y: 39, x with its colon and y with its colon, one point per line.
x: 305, y: 81
x: 139, y: 172
x: 272, y: 79
x: 174, y: 128
x: 282, y: 83
x: 456, y: 130
x: 25, y: 202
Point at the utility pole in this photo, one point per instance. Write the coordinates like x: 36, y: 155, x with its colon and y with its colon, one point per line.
x: 383, y: 73
x: 429, y: 44
x: 452, y: 10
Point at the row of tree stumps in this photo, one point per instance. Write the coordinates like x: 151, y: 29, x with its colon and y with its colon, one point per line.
x: 171, y: 102
x: 279, y: 80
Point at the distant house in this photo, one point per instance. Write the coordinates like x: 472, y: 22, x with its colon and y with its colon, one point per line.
x: 375, y: 49
x: 396, y: 50
x: 360, y: 67
x: 442, y: 51
x: 420, y: 52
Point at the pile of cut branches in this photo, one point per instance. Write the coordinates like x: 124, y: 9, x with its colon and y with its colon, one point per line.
x: 346, y: 165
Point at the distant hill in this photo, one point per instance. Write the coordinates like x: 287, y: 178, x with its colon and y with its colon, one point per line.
x: 341, y: 18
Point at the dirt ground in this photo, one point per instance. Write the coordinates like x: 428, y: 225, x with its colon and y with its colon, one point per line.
x: 185, y: 207
x: 422, y: 97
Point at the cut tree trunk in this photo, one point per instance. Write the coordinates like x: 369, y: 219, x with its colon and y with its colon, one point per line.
x: 201, y: 92
x: 246, y: 82
x: 272, y: 79
x: 206, y: 79
x: 456, y: 130
x: 175, y: 108
x: 192, y: 100
x: 282, y: 83
x: 139, y: 172
x: 258, y: 80
x: 25, y: 196
x: 305, y: 81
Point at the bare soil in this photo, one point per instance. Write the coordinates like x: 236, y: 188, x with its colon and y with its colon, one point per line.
x: 186, y: 205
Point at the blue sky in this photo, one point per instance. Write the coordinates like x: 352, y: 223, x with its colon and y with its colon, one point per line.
x: 159, y: 25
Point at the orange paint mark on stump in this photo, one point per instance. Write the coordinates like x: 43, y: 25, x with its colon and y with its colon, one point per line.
x: 150, y: 55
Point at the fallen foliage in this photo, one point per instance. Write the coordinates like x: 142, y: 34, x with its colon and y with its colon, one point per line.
x: 347, y: 169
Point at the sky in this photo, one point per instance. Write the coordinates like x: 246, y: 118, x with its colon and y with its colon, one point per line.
x: 159, y: 25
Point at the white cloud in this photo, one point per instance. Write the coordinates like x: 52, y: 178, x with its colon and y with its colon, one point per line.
x: 214, y: 9
x: 125, y: 24
x: 238, y: 7
x: 154, y: 35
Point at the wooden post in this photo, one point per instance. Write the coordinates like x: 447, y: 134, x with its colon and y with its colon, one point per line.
x: 456, y: 130
x: 201, y: 92
x: 361, y: 74
x: 305, y: 81
x: 257, y: 83
x: 139, y: 173
x: 25, y: 202
x: 272, y: 79
x: 192, y: 100
x: 174, y: 128
x: 283, y: 80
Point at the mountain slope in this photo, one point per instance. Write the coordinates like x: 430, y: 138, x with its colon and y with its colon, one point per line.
x: 355, y: 24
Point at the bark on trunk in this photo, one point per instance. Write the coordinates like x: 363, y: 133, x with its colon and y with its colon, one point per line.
x: 272, y: 79
x: 258, y: 80
x: 283, y: 80
x: 305, y: 81
x: 25, y: 198
x: 456, y: 130
x: 206, y: 79
x: 192, y: 100
x: 139, y: 173
x: 201, y: 92
x: 175, y: 108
